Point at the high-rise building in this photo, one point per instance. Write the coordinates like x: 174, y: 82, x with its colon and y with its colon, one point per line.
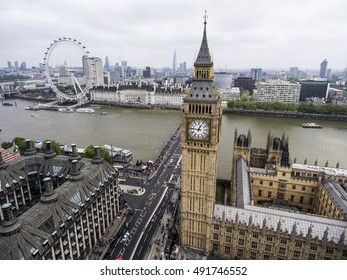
x: 16, y: 66
x: 23, y: 66
x: 107, y: 65
x: 329, y: 73
x: 201, y: 122
x: 9, y: 65
x: 174, y: 64
x: 294, y: 72
x: 93, y: 69
x: 147, y: 72
x: 323, y: 69
x: 257, y: 74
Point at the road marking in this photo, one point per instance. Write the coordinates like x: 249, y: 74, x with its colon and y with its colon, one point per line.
x: 143, y: 213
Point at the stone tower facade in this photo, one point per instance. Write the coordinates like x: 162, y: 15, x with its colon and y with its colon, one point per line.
x: 201, y: 123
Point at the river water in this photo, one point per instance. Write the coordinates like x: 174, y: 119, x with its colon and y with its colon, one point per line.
x: 145, y: 132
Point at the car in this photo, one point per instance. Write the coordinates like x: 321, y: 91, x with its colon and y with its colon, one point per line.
x: 125, y: 237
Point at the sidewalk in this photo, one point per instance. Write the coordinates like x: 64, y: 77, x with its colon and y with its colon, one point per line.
x: 101, y: 249
x: 156, y: 250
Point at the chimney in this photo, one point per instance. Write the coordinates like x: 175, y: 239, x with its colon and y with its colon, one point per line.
x: 10, y: 224
x: 29, y: 151
x: 97, y: 159
x: 74, y: 153
x: 49, y: 152
x: 49, y: 194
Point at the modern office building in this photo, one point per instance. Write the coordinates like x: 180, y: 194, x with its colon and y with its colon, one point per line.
x: 174, y: 64
x: 318, y: 89
x: 276, y: 90
x: 93, y: 69
x: 247, y: 83
x: 257, y: 74
x: 323, y: 68
x: 55, y: 207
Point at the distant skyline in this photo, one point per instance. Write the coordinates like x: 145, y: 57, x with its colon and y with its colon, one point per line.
x: 241, y: 34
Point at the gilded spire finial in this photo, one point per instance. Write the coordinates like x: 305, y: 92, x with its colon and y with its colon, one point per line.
x: 205, y: 17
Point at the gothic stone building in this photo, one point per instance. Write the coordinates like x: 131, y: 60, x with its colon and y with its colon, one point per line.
x: 276, y: 209
x: 55, y: 207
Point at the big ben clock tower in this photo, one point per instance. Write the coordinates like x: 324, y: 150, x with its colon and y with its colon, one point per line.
x: 201, y: 123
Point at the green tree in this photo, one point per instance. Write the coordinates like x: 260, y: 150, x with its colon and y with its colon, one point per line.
x: 89, y: 153
x: 55, y: 146
x: 20, y: 143
x: 244, y: 95
x: 6, y: 145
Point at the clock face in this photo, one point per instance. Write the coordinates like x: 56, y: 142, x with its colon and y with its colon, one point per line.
x: 198, y: 129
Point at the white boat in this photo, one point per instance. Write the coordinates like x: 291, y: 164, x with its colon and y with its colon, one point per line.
x: 85, y: 110
x: 119, y: 154
x: 65, y: 110
x: 311, y: 125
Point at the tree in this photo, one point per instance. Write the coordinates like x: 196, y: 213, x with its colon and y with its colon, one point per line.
x: 89, y: 153
x: 6, y: 145
x: 20, y: 143
x: 244, y: 95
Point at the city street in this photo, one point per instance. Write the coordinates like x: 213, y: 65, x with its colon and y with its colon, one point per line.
x: 133, y: 238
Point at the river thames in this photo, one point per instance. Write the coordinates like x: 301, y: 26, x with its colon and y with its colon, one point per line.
x: 146, y: 131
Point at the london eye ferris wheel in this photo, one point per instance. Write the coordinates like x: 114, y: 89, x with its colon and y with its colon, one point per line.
x: 68, y: 69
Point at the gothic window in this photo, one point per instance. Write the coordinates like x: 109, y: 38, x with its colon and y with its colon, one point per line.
x: 268, y: 247
x: 215, y: 246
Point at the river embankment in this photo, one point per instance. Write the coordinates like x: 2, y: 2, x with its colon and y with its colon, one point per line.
x: 281, y: 114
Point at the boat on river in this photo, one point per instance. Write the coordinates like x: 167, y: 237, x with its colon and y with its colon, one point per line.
x: 311, y: 125
x: 85, y: 110
x: 118, y: 154
x: 32, y: 108
x: 6, y: 104
x: 65, y: 110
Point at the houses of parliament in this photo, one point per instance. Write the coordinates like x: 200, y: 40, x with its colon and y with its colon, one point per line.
x: 273, y: 209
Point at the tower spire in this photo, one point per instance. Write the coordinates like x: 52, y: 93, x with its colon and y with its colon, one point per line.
x: 204, y: 57
x: 205, y: 18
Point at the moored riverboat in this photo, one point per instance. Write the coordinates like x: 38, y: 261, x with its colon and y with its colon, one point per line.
x: 311, y: 125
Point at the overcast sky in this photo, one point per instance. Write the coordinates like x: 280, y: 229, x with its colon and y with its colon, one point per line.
x: 241, y: 33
